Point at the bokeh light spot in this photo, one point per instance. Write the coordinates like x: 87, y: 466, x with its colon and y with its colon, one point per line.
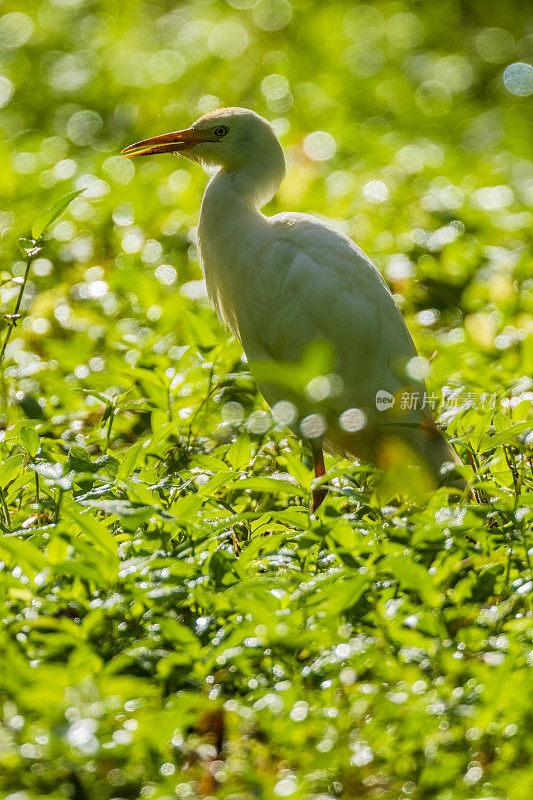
x: 272, y: 15
x: 151, y: 252
x: 228, y: 40
x: 6, y: 91
x: 194, y: 290
x: 70, y: 72
x: 319, y: 146
x: 166, y: 274
x: 495, y: 45
x: 258, y: 422
x: 286, y: 786
x: 94, y: 187
x: 166, y: 66
x: 352, y: 420
x: 284, y: 412
x: 455, y: 73
x: 442, y: 237
x: 433, y: 98
x: 123, y: 215
x: 84, y: 126
x: 232, y: 412
x: 313, y: 426
x: 67, y: 3
x: 132, y: 242
x: 276, y: 91
x: 119, y: 169
x: 318, y: 388
x: 404, y: 30
x: 15, y: 29
x: 64, y: 169
x: 492, y: 198
x: 400, y: 267
x: 207, y: 103
x: 518, y: 79
x: 427, y: 317
x: 40, y: 325
x: 42, y: 266
x: 375, y: 192
x: 418, y: 368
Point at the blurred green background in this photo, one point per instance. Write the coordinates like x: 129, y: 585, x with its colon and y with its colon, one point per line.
x: 410, y: 128
x: 155, y: 643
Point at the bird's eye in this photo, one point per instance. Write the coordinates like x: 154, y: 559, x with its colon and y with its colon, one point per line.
x: 221, y: 130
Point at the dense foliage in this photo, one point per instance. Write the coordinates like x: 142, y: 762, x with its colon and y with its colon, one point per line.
x: 174, y: 623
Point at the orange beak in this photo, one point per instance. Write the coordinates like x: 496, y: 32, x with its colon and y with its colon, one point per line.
x: 175, y: 142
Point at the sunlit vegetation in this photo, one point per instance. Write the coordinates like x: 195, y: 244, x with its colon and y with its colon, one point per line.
x: 174, y: 623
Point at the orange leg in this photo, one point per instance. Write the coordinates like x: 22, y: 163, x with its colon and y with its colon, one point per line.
x: 321, y: 492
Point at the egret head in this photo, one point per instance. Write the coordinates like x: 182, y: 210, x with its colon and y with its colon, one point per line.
x: 237, y: 140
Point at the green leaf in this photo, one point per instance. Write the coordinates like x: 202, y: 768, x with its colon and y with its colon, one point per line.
x: 298, y: 470
x: 30, y: 440
x: 270, y: 485
x: 97, y: 395
x: 54, y: 212
x: 197, y: 330
x: 240, y: 452
x: 28, y: 247
x: 109, y: 465
x: 506, y: 436
x: 178, y: 634
x: 24, y: 554
x: 79, y: 459
x: 411, y: 577
x: 225, y: 569
x: 336, y: 593
x: 10, y: 469
x: 501, y: 422
x: 96, y: 531
x: 132, y: 514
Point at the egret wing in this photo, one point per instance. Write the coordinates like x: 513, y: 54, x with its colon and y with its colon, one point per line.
x: 323, y: 287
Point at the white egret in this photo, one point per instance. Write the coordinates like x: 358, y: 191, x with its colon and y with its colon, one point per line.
x: 282, y: 282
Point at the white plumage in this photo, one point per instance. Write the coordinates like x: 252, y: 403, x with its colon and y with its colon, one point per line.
x: 282, y: 282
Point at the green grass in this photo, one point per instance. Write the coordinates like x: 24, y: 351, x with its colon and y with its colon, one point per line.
x: 174, y: 623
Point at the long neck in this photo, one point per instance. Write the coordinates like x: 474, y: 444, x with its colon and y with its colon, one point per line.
x: 228, y: 217
x: 258, y: 177
x: 230, y: 232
